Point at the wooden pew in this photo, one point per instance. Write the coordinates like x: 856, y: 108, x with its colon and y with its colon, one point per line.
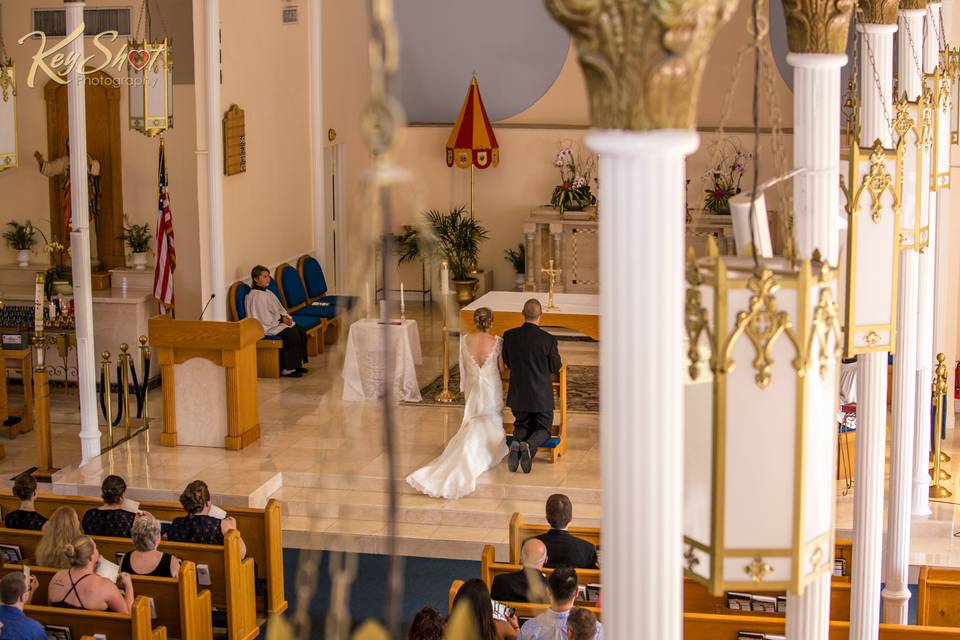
x: 696, y: 597
x: 185, y: 613
x: 261, y: 529
x: 704, y: 626
x: 232, y: 580
x: 524, y: 609
x: 557, y: 445
x: 135, y: 626
x: 938, y: 599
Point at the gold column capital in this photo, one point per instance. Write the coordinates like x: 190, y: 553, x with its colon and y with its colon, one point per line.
x: 883, y: 11
x: 643, y: 60
x: 818, y: 26
x: 913, y: 5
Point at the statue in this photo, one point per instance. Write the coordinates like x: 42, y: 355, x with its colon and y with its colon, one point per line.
x: 61, y: 168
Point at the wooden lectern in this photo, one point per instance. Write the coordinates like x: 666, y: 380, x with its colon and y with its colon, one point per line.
x: 229, y: 345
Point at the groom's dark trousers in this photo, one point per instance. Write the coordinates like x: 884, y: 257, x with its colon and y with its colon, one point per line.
x: 532, y: 356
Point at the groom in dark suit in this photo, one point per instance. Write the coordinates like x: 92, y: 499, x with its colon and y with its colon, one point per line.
x: 532, y: 356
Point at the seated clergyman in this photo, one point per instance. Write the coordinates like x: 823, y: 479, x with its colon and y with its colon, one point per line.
x: 263, y: 305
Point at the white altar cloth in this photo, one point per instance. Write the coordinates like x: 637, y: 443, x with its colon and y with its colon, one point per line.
x: 577, y: 311
x: 364, y: 362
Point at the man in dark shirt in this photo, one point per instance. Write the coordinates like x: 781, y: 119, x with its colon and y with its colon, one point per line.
x: 15, y: 592
x: 562, y: 547
x: 515, y: 587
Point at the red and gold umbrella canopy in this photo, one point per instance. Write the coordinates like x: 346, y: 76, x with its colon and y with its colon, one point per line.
x: 472, y: 141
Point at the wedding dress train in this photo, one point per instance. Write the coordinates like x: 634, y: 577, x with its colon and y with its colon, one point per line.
x: 480, y: 443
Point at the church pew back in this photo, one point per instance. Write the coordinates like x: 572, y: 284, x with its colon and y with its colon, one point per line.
x: 938, y: 599
x: 704, y: 626
x: 232, y: 579
x: 261, y: 529
x: 524, y: 609
x: 696, y: 597
x: 135, y: 626
x: 179, y: 608
x: 521, y: 530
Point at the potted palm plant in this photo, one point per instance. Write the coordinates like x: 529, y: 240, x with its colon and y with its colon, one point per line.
x: 518, y: 259
x: 137, y: 237
x: 21, y: 237
x: 455, y: 237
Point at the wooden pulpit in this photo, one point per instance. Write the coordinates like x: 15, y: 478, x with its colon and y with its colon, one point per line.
x: 209, y: 376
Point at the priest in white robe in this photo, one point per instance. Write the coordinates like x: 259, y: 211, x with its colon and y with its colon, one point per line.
x: 263, y: 305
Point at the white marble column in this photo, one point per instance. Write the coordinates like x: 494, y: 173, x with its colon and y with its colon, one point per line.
x: 940, y: 290
x: 926, y: 271
x: 318, y: 136
x: 897, y: 545
x: 80, y: 243
x: 641, y: 377
x: 816, y: 105
x: 211, y: 59
x: 871, y: 373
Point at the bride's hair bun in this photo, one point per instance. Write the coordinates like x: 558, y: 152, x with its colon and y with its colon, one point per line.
x: 483, y: 318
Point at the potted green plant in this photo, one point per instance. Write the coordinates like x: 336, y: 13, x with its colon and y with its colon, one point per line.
x: 21, y: 237
x: 518, y: 259
x: 137, y: 237
x: 455, y: 237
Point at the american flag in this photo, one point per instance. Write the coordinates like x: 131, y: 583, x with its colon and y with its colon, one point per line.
x: 166, y: 256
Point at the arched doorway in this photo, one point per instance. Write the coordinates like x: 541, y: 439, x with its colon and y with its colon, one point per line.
x: 103, y: 144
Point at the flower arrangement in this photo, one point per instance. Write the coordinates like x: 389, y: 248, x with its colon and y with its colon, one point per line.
x: 20, y: 236
x: 517, y: 258
x: 59, y: 270
x: 573, y: 192
x: 137, y: 236
x: 725, y: 176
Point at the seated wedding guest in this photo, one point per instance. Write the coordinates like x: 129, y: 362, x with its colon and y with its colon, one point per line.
x: 552, y: 623
x: 109, y: 519
x: 15, y: 592
x: 562, y: 547
x: 25, y: 516
x: 492, y: 620
x: 581, y: 624
x: 426, y: 625
x: 79, y: 587
x: 61, y: 529
x: 264, y: 305
x: 145, y: 560
x: 198, y: 526
x: 514, y: 587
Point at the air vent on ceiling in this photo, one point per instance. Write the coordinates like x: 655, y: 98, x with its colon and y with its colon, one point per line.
x: 53, y: 22
x: 291, y: 14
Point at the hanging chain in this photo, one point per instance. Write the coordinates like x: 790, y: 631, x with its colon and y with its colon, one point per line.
x: 851, y: 105
x: 941, y: 36
x: 145, y: 10
x: 4, y: 60
x: 913, y: 47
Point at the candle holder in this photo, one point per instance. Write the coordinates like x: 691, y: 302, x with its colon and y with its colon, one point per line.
x: 939, y: 388
x: 445, y: 395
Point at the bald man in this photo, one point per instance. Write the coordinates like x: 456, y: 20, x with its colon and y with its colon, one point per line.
x: 515, y: 587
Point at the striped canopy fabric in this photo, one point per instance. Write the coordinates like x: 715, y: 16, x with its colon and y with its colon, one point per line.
x: 472, y: 141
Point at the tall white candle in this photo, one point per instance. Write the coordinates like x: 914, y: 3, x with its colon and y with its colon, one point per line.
x: 366, y: 286
x: 444, y: 279
x: 38, y: 304
x: 402, y: 306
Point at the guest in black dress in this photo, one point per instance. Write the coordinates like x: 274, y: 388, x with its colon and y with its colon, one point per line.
x: 25, y: 517
x: 146, y: 560
x: 197, y: 526
x: 109, y: 519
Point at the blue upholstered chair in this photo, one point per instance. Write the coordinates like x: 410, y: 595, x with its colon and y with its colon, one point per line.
x: 316, y: 320
x: 315, y: 284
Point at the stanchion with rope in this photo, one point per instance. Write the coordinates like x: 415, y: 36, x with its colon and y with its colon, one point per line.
x: 939, y: 388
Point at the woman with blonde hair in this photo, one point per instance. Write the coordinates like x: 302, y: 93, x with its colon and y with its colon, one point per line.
x: 146, y: 560
x: 79, y: 587
x: 62, y: 528
x: 480, y: 443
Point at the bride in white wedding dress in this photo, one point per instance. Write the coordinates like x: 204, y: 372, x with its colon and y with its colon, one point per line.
x: 480, y: 443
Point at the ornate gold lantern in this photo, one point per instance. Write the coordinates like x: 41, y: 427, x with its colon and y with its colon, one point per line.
x: 940, y: 85
x: 9, y: 152
x: 951, y: 61
x: 763, y: 344
x: 876, y: 233
x: 151, y: 80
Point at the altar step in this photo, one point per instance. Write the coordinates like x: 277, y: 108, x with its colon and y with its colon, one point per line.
x: 352, y: 516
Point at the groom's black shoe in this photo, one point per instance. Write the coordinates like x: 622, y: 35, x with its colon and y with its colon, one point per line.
x: 513, y: 458
x: 526, y: 460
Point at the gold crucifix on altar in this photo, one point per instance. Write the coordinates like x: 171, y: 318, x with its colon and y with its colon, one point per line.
x: 552, y: 274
